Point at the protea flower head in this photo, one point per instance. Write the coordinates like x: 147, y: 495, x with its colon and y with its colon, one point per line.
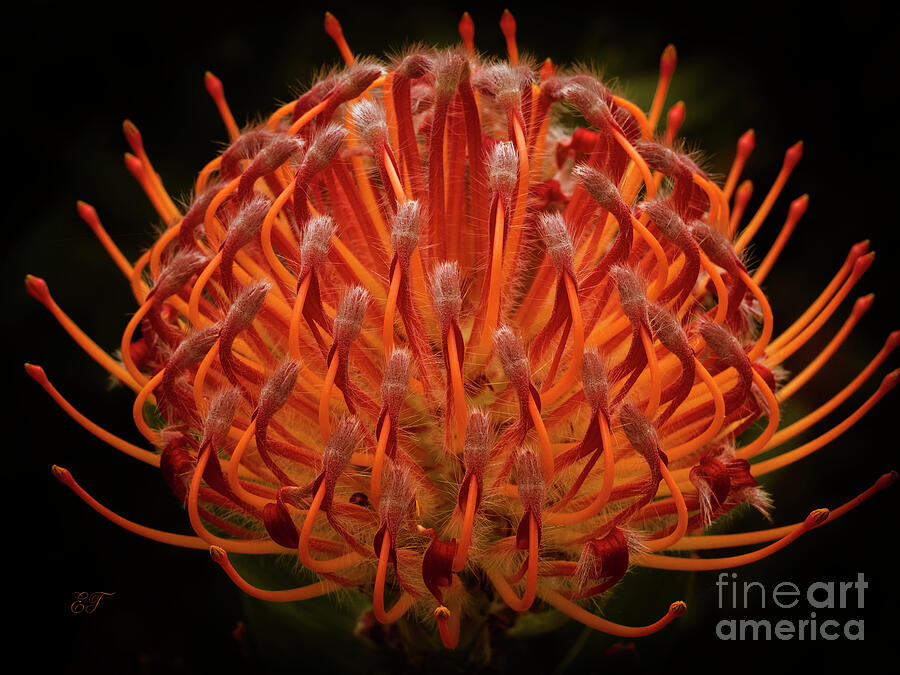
x: 426, y: 333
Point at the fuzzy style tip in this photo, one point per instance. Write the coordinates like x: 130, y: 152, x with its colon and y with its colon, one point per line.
x: 350, y: 315
x: 555, y: 234
x: 406, y: 228
x: 278, y: 388
x: 445, y: 292
x: 395, y: 384
x: 503, y: 168
x: 369, y: 122
x: 221, y: 414
x: 596, y: 385
x: 512, y: 358
x: 316, y: 243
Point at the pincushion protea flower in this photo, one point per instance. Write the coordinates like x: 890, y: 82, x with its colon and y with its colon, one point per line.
x: 492, y: 357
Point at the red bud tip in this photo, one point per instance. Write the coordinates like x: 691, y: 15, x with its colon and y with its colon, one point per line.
x: 863, y: 305
x: 793, y: 155
x: 745, y: 189
x: 675, y: 117
x: 817, y: 517
x: 746, y: 143
x: 892, y: 341
x: 886, y: 480
x: 798, y: 208
x: 37, y: 288
x: 508, y: 24
x: 677, y: 608
x: 36, y: 372
x: 62, y: 475
x: 333, y: 26
x: 213, y: 85
x: 132, y: 135
x: 218, y: 554
x: 889, y: 381
x: 668, y: 61
x: 863, y: 263
x: 134, y: 165
x: 87, y: 213
x: 467, y: 30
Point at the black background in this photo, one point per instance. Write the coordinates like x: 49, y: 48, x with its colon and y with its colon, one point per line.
x: 79, y: 71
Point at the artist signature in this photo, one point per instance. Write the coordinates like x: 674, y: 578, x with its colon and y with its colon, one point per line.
x: 87, y: 603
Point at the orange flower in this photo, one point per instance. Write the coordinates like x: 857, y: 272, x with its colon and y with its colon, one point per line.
x: 414, y: 329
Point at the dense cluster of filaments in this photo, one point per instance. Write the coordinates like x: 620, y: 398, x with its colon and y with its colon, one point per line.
x: 432, y: 339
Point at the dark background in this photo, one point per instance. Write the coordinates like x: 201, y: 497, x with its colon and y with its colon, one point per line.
x: 825, y: 78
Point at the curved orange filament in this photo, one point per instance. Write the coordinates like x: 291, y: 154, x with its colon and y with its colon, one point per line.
x: 756, y: 222
x: 378, y: 462
x: 233, y: 481
x: 314, y: 590
x: 662, y: 87
x: 649, y: 183
x: 662, y: 263
x: 405, y: 601
x: 200, y: 377
x: 390, y: 310
x: 137, y: 410
x: 459, y: 392
x: 637, y: 113
x: 182, y: 540
x: 823, y: 410
x: 217, y: 93
x: 296, y: 316
x: 655, y: 381
x: 663, y: 562
x: 336, y: 33
x: 211, y: 225
x: 715, y: 425
x: 138, y: 287
x: 760, y: 442
x: 681, y: 509
x: 230, y: 545
x: 768, y: 319
x: 38, y: 374
x: 785, y: 350
x: 159, y: 246
x: 265, y: 236
x: 719, y: 284
x: 325, y: 399
x: 324, y: 566
x: 807, y: 449
x: 581, y: 615
x: 139, y: 171
x: 710, y: 541
x: 570, y: 377
x: 601, y: 498
x: 465, y: 536
x: 506, y: 591
x: 780, y: 241
x: 741, y: 199
x: 89, y: 215
x: 737, y: 166
x: 169, y: 211
x: 91, y: 348
x: 493, y: 305
x: 518, y: 216
x: 197, y: 290
x: 544, y: 439
x: 125, y: 347
x: 813, y: 367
